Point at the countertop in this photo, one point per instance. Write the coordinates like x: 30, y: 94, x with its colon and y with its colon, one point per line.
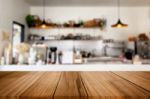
x: 77, y: 67
x: 74, y: 85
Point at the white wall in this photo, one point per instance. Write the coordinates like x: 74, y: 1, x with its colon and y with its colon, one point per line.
x: 138, y: 19
x: 11, y: 10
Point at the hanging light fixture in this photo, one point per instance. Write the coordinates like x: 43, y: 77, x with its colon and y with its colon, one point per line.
x: 119, y: 24
x: 44, y: 24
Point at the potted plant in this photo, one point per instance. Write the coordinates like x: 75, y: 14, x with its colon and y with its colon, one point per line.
x: 30, y: 20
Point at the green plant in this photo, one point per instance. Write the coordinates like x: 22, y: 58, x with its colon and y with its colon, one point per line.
x: 30, y: 20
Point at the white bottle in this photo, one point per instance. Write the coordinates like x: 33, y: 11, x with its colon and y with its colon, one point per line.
x: 32, y: 56
x: 2, y: 60
x: 8, y: 56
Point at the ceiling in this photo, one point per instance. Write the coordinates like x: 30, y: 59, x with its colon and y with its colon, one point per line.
x: 89, y: 2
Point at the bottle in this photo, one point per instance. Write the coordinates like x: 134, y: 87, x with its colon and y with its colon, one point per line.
x: 8, y: 55
x: 3, y: 60
x: 60, y: 57
x: 53, y: 55
x: 49, y: 58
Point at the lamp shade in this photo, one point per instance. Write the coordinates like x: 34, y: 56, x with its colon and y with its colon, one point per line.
x: 44, y: 25
x: 119, y: 24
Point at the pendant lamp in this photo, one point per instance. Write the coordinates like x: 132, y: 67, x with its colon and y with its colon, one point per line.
x: 119, y: 23
x: 44, y: 25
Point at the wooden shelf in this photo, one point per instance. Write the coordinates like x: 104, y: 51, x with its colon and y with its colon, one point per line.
x: 62, y: 40
x: 67, y: 28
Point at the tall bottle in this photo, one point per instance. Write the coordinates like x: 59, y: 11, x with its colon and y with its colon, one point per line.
x: 53, y: 55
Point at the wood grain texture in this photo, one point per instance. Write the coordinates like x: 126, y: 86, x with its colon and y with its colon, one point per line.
x: 141, y: 79
x: 111, y: 86
x: 70, y: 87
x: 44, y: 87
x: 74, y: 85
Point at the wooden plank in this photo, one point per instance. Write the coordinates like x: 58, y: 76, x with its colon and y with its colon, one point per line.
x: 16, y: 83
x: 141, y: 79
x: 106, y: 85
x: 70, y: 87
x: 3, y: 74
x: 73, y: 85
x: 44, y: 87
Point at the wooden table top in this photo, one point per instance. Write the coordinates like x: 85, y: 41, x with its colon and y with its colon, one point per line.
x: 74, y: 85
